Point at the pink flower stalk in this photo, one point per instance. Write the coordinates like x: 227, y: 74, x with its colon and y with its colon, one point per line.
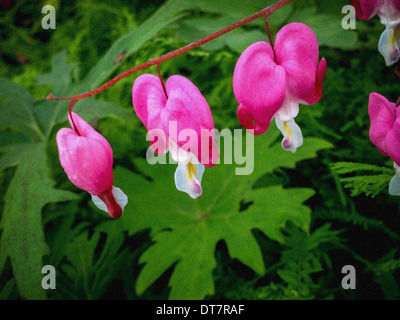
x: 178, y: 120
x: 384, y: 133
x: 267, y: 88
x: 389, y: 13
x: 87, y: 159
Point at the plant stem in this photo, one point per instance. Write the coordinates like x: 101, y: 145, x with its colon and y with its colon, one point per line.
x: 74, y: 127
x: 265, y: 12
x: 271, y: 42
x: 161, y: 80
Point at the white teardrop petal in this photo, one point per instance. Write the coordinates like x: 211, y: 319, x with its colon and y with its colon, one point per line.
x: 120, y: 197
x: 292, y: 136
x: 99, y: 203
x: 189, y: 180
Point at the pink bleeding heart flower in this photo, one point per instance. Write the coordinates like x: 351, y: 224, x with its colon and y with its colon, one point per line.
x: 87, y: 159
x: 384, y: 133
x: 267, y: 88
x: 389, y: 13
x: 178, y: 120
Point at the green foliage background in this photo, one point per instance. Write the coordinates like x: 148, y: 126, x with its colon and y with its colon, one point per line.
x: 284, y: 232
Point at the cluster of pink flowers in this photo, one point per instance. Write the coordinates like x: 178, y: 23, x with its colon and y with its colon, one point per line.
x: 269, y: 83
x: 264, y: 87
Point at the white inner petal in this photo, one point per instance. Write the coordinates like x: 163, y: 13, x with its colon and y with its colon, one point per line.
x: 178, y: 154
x: 388, y: 45
x: 99, y: 203
x: 394, y: 185
x: 292, y: 136
x: 396, y: 167
x: 120, y: 198
x: 188, y: 177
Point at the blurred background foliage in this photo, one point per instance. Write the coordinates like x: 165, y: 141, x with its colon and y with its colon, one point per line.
x: 341, y: 215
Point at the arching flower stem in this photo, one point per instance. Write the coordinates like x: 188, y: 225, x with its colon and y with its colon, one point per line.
x: 265, y: 12
x: 161, y: 80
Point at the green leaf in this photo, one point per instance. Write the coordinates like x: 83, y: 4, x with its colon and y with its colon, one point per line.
x: 384, y: 274
x: 230, y: 12
x: 50, y: 113
x: 301, y: 258
x: 31, y: 188
x: 352, y: 167
x: 22, y: 238
x: 368, y: 183
x: 238, y: 40
x: 16, y: 107
x: 328, y: 29
x: 88, y: 271
x: 66, y: 233
x: 235, y: 10
x: 332, y: 7
x: 60, y: 75
x: 186, y: 231
x: 6, y: 291
x: 132, y: 41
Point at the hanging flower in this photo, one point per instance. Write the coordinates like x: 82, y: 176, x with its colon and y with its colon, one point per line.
x: 272, y: 82
x: 178, y: 120
x: 384, y: 133
x: 389, y: 13
x: 87, y: 159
